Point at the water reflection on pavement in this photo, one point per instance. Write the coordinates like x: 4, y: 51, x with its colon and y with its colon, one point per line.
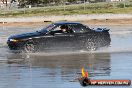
x: 55, y: 70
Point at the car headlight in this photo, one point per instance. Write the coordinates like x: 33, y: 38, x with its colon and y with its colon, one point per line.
x: 13, y: 40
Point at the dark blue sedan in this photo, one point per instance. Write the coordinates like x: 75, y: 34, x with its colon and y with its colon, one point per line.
x: 61, y: 36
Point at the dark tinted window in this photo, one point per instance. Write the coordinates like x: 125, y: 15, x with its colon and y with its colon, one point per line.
x: 48, y: 28
x: 79, y: 28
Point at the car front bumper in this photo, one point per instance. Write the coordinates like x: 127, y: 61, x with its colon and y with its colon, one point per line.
x: 14, y: 45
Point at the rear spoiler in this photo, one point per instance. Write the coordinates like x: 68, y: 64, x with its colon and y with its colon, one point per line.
x: 102, y: 29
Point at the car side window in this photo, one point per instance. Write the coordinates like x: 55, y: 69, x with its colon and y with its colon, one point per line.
x: 61, y: 29
x: 79, y: 28
x: 55, y: 30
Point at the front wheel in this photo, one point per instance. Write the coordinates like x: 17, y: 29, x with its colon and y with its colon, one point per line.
x: 29, y: 47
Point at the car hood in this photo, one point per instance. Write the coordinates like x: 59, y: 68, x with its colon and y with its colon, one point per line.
x: 25, y: 35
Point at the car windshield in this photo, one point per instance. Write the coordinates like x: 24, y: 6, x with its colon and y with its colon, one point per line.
x: 47, y: 28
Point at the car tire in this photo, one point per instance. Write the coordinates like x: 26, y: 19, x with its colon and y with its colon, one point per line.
x: 30, y: 47
x: 90, y: 46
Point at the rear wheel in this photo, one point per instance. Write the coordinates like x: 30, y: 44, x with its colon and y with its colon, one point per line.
x: 90, y: 46
x: 29, y: 47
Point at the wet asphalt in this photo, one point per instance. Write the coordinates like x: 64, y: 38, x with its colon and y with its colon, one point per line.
x: 61, y: 70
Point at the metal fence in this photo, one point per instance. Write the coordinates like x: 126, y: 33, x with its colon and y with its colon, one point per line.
x: 13, y: 8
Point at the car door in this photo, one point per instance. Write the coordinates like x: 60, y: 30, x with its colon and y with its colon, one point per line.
x: 63, y: 40
x: 55, y: 39
x: 79, y: 35
x: 45, y: 41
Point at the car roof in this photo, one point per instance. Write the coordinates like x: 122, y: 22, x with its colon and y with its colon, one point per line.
x: 63, y: 23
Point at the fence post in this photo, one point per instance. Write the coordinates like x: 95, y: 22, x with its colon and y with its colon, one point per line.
x: 24, y: 11
x: 84, y: 5
x: 124, y: 4
x: 64, y: 5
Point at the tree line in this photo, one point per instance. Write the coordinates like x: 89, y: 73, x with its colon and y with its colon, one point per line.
x: 57, y: 2
x: 23, y: 3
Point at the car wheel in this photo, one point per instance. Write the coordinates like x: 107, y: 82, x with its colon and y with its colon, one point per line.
x: 29, y: 47
x: 90, y: 46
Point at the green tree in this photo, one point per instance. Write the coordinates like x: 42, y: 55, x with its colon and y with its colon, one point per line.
x: 71, y: 1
